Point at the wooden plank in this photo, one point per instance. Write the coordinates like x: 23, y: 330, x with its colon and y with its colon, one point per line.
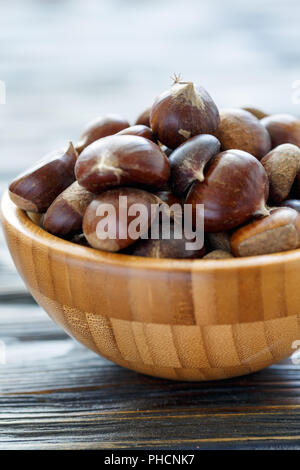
x: 54, y: 393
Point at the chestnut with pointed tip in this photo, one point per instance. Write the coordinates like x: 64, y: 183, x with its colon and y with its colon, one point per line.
x: 122, y: 160
x: 183, y: 112
x: 239, y: 129
x: 189, y: 160
x: 235, y: 189
x: 106, y: 222
x: 65, y: 214
x: 144, y: 118
x: 37, y: 188
x: 280, y: 231
x: 139, y: 130
x: 101, y: 127
x: 282, y: 165
x: 283, y: 129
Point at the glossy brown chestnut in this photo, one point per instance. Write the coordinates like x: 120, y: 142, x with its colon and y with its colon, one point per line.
x: 175, y: 248
x: 37, y: 188
x: 183, y: 112
x: 101, y: 127
x: 140, y: 130
x: 115, y: 235
x: 292, y: 203
x: 65, y: 214
x: 144, y: 118
x: 239, y: 129
x: 283, y: 129
x: 258, y: 113
x: 235, y: 189
x: 280, y: 231
x: 189, y: 159
x: 282, y: 165
x: 122, y: 160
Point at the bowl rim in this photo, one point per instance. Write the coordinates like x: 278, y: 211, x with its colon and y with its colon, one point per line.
x: 19, y: 220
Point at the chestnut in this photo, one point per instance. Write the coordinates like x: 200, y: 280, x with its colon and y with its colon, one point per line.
x: 168, y: 197
x: 166, y: 247
x: 239, y: 129
x: 218, y: 254
x: 140, y: 130
x: 106, y: 222
x: 235, y: 189
x: 220, y: 241
x: 280, y: 231
x: 144, y: 118
x: 282, y: 165
x: 292, y: 203
x: 37, y: 188
x: 183, y: 112
x: 173, y: 204
x: 65, y: 214
x: 122, y: 160
x: 258, y: 113
x: 189, y: 159
x: 101, y: 127
x: 283, y: 129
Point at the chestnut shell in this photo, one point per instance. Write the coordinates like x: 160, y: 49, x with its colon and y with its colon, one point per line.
x: 101, y: 127
x: 139, y: 130
x: 239, y: 129
x: 92, y: 218
x: 165, y: 248
x: 183, y: 112
x: 189, y: 159
x: 144, y: 118
x: 235, y: 189
x: 283, y: 129
x: 35, y: 189
x: 122, y: 160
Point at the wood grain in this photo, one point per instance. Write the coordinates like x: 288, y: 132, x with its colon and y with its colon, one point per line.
x: 177, y: 319
x: 56, y: 394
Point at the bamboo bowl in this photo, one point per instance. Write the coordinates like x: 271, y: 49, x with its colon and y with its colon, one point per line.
x: 177, y: 319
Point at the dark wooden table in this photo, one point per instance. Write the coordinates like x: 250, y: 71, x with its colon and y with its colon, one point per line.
x: 55, y: 394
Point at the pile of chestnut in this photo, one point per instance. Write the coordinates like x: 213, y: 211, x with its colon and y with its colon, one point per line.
x: 242, y: 164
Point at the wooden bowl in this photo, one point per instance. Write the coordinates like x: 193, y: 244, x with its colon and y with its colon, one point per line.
x: 183, y: 320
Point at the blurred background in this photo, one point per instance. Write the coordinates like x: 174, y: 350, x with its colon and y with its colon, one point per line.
x: 66, y: 61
